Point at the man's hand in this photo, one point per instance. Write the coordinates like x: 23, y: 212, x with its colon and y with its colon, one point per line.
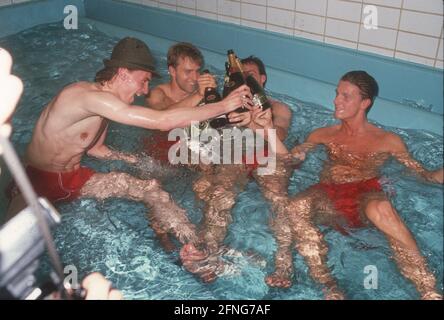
x: 437, y: 176
x: 98, y: 288
x: 241, y: 119
x: 11, y: 87
x: 204, y: 81
x: 238, y: 98
x: 263, y: 119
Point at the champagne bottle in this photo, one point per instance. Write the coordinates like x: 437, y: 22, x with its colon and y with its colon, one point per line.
x: 234, y: 77
x: 211, y: 95
x: 259, y: 97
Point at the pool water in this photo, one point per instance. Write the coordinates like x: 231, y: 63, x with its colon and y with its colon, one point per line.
x: 113, y: 236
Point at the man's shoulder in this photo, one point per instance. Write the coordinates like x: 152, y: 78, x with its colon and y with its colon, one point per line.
x: 320, y: 135
x: 162, y: 89
x: 279, y: 106
x: 385, y: 135
x: 387, y: 140
x: 80, y: 88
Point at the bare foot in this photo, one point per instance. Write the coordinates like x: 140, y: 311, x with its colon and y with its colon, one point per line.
x: 431, y: 295
x: 276, y: 280
x: 197, y: 262
x: 333, y: 294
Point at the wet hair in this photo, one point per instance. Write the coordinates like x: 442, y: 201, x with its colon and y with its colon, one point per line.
x: 184, y: 50
x: 107, y: 73
x: 258, y: 62
x: 368, y: 87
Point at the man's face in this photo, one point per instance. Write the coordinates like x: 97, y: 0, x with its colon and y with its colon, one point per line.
x: 185, y: 74
x: 252, y: 69
x: 137, y: 83
x: 348, y: 101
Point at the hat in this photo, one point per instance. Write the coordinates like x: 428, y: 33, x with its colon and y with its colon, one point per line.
x: 132, y: 53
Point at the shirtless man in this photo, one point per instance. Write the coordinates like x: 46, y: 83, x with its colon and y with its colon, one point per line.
x: 74, y: 124
x: 187, y: 84
x: 219, y: 185
x: 349, y: 193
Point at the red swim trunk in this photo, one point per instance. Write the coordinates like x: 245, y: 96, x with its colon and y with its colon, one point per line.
x: 57, y: 186
x: 253, y: 166
x: 345, y: 197
x: 157, y: 145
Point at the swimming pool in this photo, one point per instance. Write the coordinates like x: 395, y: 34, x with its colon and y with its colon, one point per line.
x: 113, y: 237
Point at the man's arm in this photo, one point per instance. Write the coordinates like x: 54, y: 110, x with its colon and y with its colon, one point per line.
x: 399, y: 150
x: 110, y: 107
x: 313, y: 139
x: 281, y: 118
x: 101, y: 151
x: 263, y: 122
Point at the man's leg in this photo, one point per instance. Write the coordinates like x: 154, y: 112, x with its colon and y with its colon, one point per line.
x: 294, y: 222
x: 407, y: 255
x: 310, y: 241
x: 218, y: 190
x: 274, y: 188
x: 283, y: 258
x: 165, y: 216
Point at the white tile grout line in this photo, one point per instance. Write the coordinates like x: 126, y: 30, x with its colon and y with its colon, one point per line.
x: 325, y: 25
x: 397, y: 32
x: 439, y: 42
x: 359, y: 27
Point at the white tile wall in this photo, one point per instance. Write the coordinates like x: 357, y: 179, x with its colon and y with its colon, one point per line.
x: 417, y: 44
x: 280, y: 17
x: 407, y: 29
x: 411, y: 30
x: 423, y: 23
x: 343, y: 30
x: 253, y: 24
x: 318, y: 7
x: 388, y: 3
x: 207, y: 5
x: 387, y: 17
x: 190, y: 4
x: 309, y: 23
x: 253, y: 12
x: 431, y: 6
x: 382, y: 37
x: 440, y: 49
x: 344, y: 10
x: 282, y: 4
x: 228, y: 8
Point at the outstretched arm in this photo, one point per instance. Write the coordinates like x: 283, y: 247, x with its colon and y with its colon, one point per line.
x: 400, y: 152
x: 310, y: 143
x: 110, y: 107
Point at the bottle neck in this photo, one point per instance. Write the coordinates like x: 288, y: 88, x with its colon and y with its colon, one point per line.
x: 234, y: 63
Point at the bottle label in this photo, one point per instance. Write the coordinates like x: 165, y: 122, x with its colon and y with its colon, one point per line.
x: 211, y: 97
x: 231, y: 84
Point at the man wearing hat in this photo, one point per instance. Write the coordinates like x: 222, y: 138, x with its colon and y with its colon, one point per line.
x: 75, y: 123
